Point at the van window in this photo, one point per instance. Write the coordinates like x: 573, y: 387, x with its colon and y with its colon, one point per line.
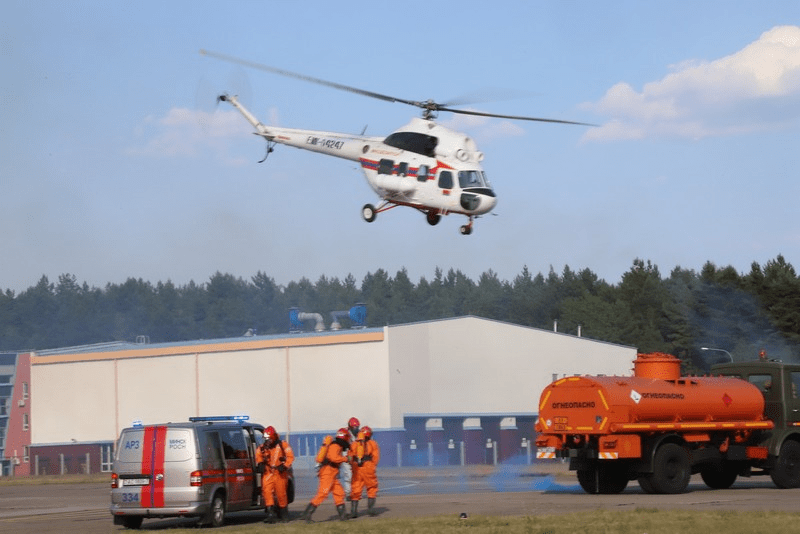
x: 210, y: 447
x: 129, y: 448
x: 179, y: 446
x: 233, y: 444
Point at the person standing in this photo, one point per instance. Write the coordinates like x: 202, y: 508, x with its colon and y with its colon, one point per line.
x: 274, y: 457
x: 346, y: 471
x: 367, y: 455
x: 334, y: 457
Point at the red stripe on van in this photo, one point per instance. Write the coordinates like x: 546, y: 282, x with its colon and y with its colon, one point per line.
x: 160, y: 451
x: 146, y: 498
x: 153, y: 450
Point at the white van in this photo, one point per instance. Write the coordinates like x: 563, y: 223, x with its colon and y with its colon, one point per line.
x: 203, y: 468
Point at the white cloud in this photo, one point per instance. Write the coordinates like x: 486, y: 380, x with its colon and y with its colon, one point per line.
x: 756, y: 88
x: 185, y: 132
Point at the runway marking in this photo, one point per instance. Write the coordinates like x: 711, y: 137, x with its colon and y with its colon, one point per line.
x: 410, y: 484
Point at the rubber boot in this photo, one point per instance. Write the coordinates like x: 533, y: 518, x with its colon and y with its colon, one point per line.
x: 371, y: 506
x: 308, y: 512
x: 283, y: 514
x: 342, y: 514
x: 353, y: 509
x: 270, y: 515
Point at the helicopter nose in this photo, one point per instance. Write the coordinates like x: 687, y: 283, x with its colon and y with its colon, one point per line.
x: 478, y: 202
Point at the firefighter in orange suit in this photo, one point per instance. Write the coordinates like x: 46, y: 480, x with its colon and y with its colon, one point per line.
x: 366, y: 455
x: 274, y: 458
x: 334, y: 457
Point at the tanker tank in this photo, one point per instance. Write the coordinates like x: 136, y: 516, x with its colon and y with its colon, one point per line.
x: 656, y: 395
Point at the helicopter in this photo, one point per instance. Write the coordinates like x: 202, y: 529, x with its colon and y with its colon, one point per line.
x: 422, y: 165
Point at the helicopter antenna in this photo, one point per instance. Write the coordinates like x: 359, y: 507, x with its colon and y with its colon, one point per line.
x: 430, y: 108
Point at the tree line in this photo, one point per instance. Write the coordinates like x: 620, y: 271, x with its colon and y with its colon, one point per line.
x: 716, y: 308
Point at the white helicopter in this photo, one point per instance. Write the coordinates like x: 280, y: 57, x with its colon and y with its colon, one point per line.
x: 422, y: 165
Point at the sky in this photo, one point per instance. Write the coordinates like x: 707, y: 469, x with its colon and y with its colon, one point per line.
x: 116, y: 163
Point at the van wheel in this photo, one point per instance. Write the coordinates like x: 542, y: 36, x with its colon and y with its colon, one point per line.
x: 132, y: 522
x: 216, y: 516
x: 786, y: 473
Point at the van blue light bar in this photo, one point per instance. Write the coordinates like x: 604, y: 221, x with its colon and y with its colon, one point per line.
x: 219, y: 418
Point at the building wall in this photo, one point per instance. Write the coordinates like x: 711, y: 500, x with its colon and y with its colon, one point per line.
x: 290, y: 384
x: 18, y: 433
x: 475, y: 366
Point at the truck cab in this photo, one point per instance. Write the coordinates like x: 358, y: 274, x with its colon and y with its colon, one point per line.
x: 780, y: 384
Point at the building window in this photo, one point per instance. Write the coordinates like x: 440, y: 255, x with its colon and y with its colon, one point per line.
x: 26, y: 454
x: 106, y: 457
x: 25, y: 390
x: 25, y: 422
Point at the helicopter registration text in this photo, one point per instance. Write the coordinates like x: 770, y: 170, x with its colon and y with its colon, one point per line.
x: 325, y: 143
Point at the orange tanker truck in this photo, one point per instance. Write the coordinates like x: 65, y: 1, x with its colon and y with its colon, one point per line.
x: 659, y: 428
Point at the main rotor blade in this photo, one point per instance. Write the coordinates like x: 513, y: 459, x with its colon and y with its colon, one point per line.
x: 290, y: 74
x: 512, y: 117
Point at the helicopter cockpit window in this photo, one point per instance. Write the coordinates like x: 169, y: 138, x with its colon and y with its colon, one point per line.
x: 386, y: 166
x: 413, y: 142
x: 446, y: 180
x: 470, y: 179
x: 422, y: 173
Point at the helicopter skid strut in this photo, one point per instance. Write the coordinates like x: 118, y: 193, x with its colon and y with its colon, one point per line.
x: 369, y: 212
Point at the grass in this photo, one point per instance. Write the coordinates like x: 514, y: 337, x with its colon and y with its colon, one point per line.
x: 639, y: 521
x: 56, y: 479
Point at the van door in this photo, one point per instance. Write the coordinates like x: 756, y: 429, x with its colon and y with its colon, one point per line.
x: 154, y: 464
x: 239, y: 479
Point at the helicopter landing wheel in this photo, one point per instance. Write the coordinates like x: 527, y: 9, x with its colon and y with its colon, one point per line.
x: 467, y: 228
x: 433, y: 218
x: 368, y: 212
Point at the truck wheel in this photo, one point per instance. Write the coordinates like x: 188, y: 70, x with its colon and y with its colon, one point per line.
x: 720, y: 475
x: 132, y: 522
x: 216, y: 515
x: 671, y: 469
x: 786, y: 473
x: 587, y: 478
x: 603, y: 479
x: 612, y: 479
x: 645, y: 484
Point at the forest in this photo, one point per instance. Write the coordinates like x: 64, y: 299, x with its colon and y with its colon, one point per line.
x: 737, y: 314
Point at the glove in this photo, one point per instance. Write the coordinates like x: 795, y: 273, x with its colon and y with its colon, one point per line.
x: 281, y: 468
x: 260, y: 468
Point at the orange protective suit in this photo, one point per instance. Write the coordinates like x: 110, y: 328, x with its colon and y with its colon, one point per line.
x: 327, y: 474
x: 274, y: 482
x: 366, y: 474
